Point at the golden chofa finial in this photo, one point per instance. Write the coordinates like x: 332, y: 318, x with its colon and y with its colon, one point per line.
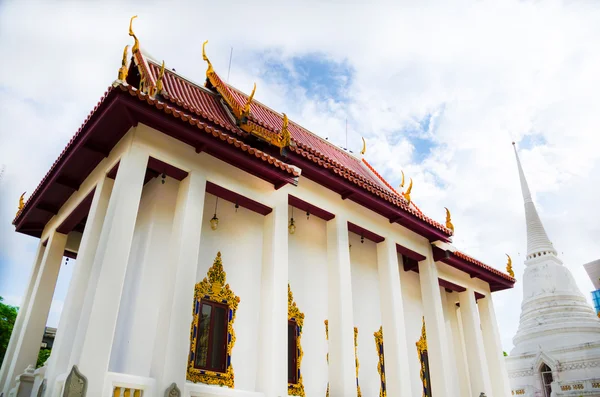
x: 407, y: 193
x: 449, y: 224
x: 286, y: 137
x: 205, y: 58
x: 402, y: 182
x: 21, y: 202
x: 509, y: 268
x: 124, y: 65
x: 159, y: 80
x: 246, y: 109
x: 136, y: 44
x: 364, y: 149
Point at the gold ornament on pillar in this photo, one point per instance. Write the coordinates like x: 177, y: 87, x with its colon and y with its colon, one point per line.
x: 358, y: 393
x: 380, y: 364
x: 296, y: 316
x: 449, y: 224
x: 424, y: 359
x: 509, y: 268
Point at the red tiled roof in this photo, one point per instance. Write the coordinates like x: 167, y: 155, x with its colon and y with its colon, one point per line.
x: 483, y: 265
x: 205, y: 103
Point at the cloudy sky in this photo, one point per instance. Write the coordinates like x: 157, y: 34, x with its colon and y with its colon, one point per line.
x: 438, y: 90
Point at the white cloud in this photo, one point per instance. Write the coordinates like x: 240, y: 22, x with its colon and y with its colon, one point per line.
x: 500, y: 70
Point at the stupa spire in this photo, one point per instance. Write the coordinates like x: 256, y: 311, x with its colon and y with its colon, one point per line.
x: 538, y: 243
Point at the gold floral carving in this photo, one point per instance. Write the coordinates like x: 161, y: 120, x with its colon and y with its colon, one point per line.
x: 422, y: 350
x: 213, y: 288
x: 294, y: 314
x: 380, y: 366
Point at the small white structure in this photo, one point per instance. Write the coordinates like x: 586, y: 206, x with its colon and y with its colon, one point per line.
x: 227, y: 251
x: 557, y: 345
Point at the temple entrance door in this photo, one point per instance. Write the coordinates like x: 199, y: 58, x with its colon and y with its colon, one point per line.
x: 546, y: 375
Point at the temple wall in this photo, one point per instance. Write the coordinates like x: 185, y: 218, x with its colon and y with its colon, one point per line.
x: 308, y: 281
x: 366, y: 310
x: 239, y: 238
x: 413, y: 311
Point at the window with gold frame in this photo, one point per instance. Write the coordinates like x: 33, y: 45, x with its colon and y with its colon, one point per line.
x: 212, y: 292
x: 295, y: 324
x: 380, y: 365
x: 424, y: 360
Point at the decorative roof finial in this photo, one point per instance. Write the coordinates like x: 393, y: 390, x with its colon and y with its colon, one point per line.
x: 402, y: 183
x: 159, y: 80
x: 364, y: 148
x: 407, y: 193
x: 286, y: 137
x: 136, y: 44
x: 246, y: 109
x: 21, y: 202
x: 509, y: 268
x: 449, y: 224
x: 124, y: 65
x: 205, y: 58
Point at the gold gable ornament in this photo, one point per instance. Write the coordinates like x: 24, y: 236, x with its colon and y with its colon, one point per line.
x: 449, y: 224
x: 509, y: 268
x: 380, y: 364
x: 406, y: 194
x: 213, y: 288
x: 294, y: 314
x: 124, y: 65
x: 21, y: 203
x: 364, y: 148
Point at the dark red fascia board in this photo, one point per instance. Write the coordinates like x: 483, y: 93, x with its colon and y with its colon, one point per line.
x: 234, y: 197
x: 376, y: 238
x: 495, y: 281
x: 352, y: 192
x: 310, y: 208
x: 450, y: 286
x: 407, y: 252
x: 77, y: 215
x: 161, y: 121
x: 203, y: 141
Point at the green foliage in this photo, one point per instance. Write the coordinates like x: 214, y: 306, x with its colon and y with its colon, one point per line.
x: 42, y: 357
x: 8, y: 315
x: 505, y: 355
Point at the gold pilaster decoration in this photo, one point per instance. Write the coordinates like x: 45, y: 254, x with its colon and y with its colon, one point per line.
x: 215, y: 289
x: 358, y: 393
x: 242, y: 111
x: 424, y: 359
x: 136, y: 42
x: 364, y: 148
x: 380, y: 365
x: 509, y: 268
x: 21, y: 202
x: 124, y: 65
x: 408, y: 191
x: 449, y: 224
x: 294, y: 314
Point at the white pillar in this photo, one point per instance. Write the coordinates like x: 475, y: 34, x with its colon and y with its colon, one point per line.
x: 437, y: 340
x: 113, y: 257
x: 17, y: 328
x: 342, y: 366
x: 478, y: 369
x: 457, y: 348
x: 397, y: 372
x: 32, y: 330
x: 96, y: 243
x: 69, y: 319
x: 272, y: 338
x: 171, y: 352
x: 493, y: 347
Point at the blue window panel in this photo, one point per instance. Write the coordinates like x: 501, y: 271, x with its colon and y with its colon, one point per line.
x: 197, y: 307
x: 192, y: 355
x: 194, y: 331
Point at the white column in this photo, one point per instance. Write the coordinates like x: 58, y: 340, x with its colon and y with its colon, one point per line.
x: 112, y: 257
x: 397, y: 372
x: 100, y: 240
x: 272, y: 338
x: 171, y: 352
x: 437, y: 340
x: 342, y: 366
x: 457, y: 348
x: 69, y: 319
x: 32, y: 330
x: 18, y: 327
x: 493, y: 347
x: 478, y: 369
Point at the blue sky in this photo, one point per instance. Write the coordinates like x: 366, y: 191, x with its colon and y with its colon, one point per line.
x: 438, y: 90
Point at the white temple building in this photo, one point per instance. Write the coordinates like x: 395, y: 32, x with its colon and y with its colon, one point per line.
x: 557, y: 346
x: 223, y: 250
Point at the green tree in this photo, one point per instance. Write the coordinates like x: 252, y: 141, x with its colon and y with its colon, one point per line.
x: 8, y: 315
x: 42, y: 357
